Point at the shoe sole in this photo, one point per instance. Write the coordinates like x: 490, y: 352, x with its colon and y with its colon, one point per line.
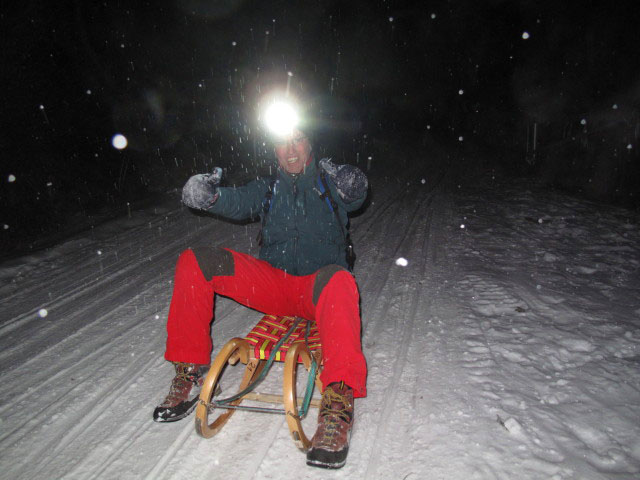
x: 176, y: 418
x: 328, y: 466
x: 188, y: 412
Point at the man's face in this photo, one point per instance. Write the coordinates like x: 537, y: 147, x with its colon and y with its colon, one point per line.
x: 293, y: 152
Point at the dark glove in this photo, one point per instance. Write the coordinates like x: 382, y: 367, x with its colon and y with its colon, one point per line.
x: 201, y: 191
x: 350, y: 181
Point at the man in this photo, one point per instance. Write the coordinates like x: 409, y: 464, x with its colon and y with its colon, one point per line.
x: 301, y: 271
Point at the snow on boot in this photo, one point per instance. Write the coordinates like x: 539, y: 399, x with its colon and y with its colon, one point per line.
x: 183, y: 394
x: 330, y: 444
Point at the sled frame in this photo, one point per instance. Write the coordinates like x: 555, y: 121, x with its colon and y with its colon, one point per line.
x: 211, y: 417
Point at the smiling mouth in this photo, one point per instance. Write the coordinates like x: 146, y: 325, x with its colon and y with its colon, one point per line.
x: 292, y: 160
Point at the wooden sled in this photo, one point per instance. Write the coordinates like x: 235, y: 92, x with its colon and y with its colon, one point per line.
x: 253, y: 351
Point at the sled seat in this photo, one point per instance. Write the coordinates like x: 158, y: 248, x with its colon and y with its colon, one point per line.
x: 254, y: 352
x: 270, y: 329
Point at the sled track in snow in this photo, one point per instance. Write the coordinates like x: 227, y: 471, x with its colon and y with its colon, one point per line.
x: 61, y: 375
x: 70, y: 293
x: 413, y: 242
x: 116, y: 284
x: 395, y: 222
x: 91, y: 412
x: 88, y: 416
x: 381, y: 213
x: 390, y: 253
x: 135, y: 270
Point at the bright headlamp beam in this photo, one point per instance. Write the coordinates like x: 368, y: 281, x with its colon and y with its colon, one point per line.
x: 281, y: 118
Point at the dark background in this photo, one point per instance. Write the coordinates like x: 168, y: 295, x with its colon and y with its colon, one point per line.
x: 183, y: 81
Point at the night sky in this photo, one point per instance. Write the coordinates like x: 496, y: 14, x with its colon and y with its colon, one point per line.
x: 183, y: 81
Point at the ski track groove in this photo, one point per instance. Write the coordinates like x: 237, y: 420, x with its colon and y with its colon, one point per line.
x: 156, y: 472
x: 61, y: 373
x: 390, y: 400
x: 42, y: 386
x: 221, y: 320
x: 413, y: 300
x: 148, y: 275
x: 88, y: 416
x: 125, y: 441
x: 380, y: 284
x: 259, y: 454
x: 115, y: 454
x: 80, y: 287
x: 379, y: 255
x: 121, y: 447
x: 104, y: 282
x: 120, y: 383
x: 391, y: 201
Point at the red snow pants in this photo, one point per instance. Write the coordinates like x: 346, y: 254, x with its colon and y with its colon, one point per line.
x: 256, y: 284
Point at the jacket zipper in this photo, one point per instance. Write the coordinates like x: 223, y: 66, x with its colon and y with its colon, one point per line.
x: 295, y: 222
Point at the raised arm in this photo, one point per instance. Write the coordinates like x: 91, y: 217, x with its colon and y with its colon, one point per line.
x: 203, y: 192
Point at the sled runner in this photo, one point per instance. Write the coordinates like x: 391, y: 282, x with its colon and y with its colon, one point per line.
x: 283, y: 339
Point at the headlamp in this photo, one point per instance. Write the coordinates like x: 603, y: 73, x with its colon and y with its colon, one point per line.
x: 281, y: 118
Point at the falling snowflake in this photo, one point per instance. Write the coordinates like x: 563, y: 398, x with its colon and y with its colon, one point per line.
x: 402, y: 262
x: 43, y: 312
x: 119, y: 141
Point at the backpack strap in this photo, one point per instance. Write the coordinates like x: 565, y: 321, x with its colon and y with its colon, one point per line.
x: 325, y: 194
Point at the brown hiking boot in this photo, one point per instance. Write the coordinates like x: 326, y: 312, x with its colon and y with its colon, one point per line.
x: 183, y: 394
x: 330, y: 444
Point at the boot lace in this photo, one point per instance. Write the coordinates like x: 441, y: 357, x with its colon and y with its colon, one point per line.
x: 186, y: 371
x: 185, y: 375
x: 332, y: 414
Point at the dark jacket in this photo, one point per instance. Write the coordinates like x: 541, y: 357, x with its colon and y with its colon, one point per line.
x: 301, y: 233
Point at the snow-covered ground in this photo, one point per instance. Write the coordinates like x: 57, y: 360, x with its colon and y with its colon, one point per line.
x: 508, y: 346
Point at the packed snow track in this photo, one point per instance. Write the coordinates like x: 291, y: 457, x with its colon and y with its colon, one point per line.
x: 505, y: 346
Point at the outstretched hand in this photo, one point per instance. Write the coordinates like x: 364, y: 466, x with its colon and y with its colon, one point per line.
x: 350, y: 181
x: 201, y: 190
